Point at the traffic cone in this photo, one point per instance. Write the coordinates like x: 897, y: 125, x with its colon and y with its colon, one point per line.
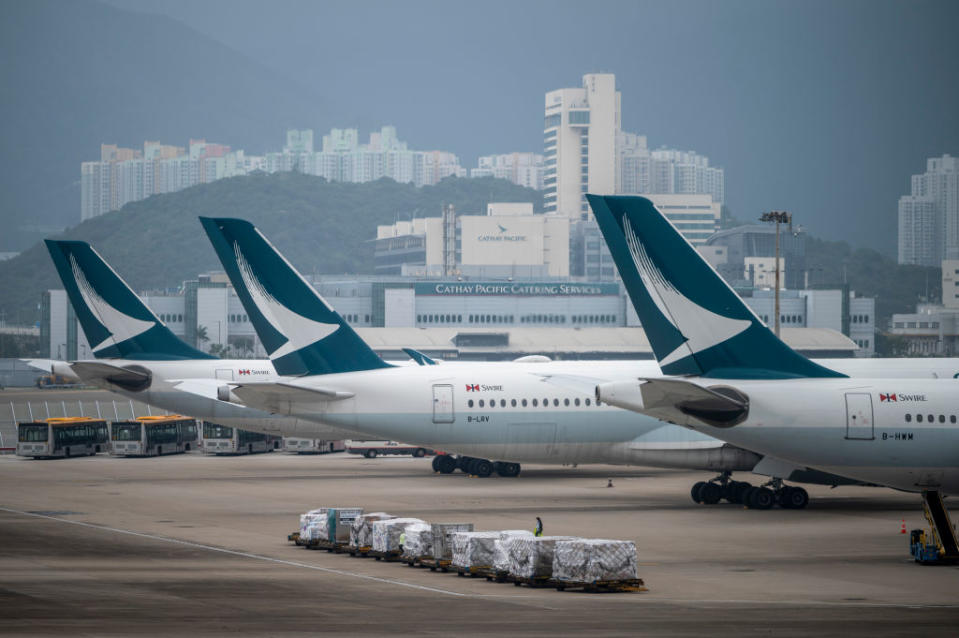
x: 610, y: 483
x: 903, y: 530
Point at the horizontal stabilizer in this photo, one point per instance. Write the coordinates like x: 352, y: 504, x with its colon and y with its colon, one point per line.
x: 278, y: 397
x: 100, y: 371
x: 677, y: 401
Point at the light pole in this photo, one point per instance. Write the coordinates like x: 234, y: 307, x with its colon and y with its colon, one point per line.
x: 779, y: 217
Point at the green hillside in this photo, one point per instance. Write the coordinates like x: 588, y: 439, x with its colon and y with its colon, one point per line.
x: 321, y: 226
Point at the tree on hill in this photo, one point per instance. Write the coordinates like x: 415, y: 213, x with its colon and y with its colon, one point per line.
x: 321, y: 226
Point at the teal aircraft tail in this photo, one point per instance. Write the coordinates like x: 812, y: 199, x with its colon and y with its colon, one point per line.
x: 696, y: 323
x: 117, y: 324
x: 302, y: 333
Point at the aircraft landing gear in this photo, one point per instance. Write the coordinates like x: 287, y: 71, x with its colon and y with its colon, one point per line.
x: 762, y: 497
x: 447, y: 464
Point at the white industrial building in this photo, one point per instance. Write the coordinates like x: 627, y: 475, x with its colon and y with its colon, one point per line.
x: 929, y: 215
x: 933, y: 329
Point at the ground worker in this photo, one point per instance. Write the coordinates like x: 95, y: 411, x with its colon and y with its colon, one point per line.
x: 402, y: 540
x: 538, y: 530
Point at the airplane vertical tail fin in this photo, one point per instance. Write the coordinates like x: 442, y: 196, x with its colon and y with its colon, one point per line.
x: 114, y: 319
x: 696, y: 323
x: 302, y: 333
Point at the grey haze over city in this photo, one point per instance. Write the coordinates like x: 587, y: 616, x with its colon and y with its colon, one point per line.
x: 822, y: 108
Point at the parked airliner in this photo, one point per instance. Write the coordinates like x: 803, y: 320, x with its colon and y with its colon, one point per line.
x: 729, y: 377
x: 529, y: 412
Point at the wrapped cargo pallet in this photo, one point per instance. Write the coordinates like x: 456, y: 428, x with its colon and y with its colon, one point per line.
x: 361, y: 532
x: 500, y: 553
x: 473, y: 549
x: 308, y: 522
x: 594, y: 560
x: 386, y: 534
x: 441, y: 538
x: 532, y: 556
x: 419, y: 540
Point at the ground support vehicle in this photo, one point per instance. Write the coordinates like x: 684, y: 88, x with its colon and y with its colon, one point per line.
x: 294, y: 538
x: 372, y: 449
x: 296, y: 445
x: 62, y: 437
x: 941, y: 545
x: 602, y: 586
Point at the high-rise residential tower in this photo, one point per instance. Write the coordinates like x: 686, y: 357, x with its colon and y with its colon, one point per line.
x: 580, y: 133
x: 929, y: 215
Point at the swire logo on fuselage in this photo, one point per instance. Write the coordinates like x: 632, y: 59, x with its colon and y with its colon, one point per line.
x: 900, y: 398
x: 481, y: 387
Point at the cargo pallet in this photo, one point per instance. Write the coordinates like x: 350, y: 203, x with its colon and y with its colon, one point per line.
x: 474, y: 570
x: 443, y: 564
x: 388, y: 556
x: 600, y: 586
x: 317, y: 543
x: 531, y: 582
x: 362, y: 551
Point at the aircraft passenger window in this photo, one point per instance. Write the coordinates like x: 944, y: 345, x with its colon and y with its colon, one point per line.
x: 587, y: 401
x: 576, y: 401
x: 535, y: 403
x: 470, y: 404
x: 502, y: 403
x: 481, y: 403
x: 952, y: 418
x: 942, y: 418
x: 524, y: 403
x: 545, y: 403
x: 932, y: 418
x: 513, y: 402
x: 918, y: 418
x: 555, y: 402
x: 566, y: 401
x: 908, y: 418
x: 492, y: 403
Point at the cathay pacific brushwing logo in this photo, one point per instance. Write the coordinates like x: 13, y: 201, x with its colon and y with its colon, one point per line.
x: 701, y: 328
x: 120, y: 325
x: 299, y: 331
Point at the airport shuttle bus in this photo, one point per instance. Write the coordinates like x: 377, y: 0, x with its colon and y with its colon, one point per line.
x: 62, y: 437
x: 219, y: 439
x: 296, y: 445
x: 153, y: 436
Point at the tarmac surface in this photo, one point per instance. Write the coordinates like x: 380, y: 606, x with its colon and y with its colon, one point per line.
x: 196, y: 545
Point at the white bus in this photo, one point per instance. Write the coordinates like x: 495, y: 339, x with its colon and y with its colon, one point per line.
x: 311, y: 446
x: 372, y: 449
x: 62, y: 437
x: 219, y: 439
x: 153, y: 436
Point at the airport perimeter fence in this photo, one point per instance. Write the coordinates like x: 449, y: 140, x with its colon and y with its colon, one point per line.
x: 13, y: 412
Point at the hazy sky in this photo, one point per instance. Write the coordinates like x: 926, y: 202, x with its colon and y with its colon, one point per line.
x: 822, y: 108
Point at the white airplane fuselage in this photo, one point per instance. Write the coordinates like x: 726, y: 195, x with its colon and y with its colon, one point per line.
x: 901, y: 433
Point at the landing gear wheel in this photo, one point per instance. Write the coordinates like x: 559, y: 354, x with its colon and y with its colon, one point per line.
x: 710, y: 493
x: 371, y: 454
x: 509, y: 470
x: 793, y: 498
x: 761, y: 498
x: 482, y: 468
x: 733, y: 491
x: 445, y: 464
x: 462, y: 463
x: 746, y: 494
x: 696, y: 492
x: 436, y: 463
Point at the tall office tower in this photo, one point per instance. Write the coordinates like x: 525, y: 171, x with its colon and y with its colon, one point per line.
x: 580, y: 132
x: 929, y: 215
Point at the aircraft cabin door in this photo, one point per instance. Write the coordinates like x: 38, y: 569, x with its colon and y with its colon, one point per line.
x: 443, y: 404
x: 859, y: 423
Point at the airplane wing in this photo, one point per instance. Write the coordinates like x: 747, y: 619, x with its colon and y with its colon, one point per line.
x: 279, y: 397
x: 94, y: 371
x: 677, y: 401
